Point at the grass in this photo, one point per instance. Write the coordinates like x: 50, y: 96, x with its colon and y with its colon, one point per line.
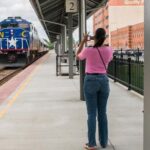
x: 122, y: 73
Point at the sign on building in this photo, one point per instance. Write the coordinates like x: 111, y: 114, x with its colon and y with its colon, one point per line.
x: 71, y: 6
x: 134, y: 2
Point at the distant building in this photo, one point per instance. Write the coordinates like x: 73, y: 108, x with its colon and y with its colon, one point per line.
x: 128, y: 37
x: 117, y: 14
x: 137, y: 36
x: 121, y: 38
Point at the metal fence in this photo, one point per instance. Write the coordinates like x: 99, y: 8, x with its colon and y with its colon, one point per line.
x: 128, y: 72
x: 134, y: 54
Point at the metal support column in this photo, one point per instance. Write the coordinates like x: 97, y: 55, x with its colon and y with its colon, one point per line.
x: 70, y: 23
x: 61, y: 44
x: 147, y: 77
x: 82, y: 29
x: 57, y: 47
x: 63, y: 31
x: 59, y: 24
x: 65, y: 38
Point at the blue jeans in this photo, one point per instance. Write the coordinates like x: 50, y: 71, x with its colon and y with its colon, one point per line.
x: 96, y: 91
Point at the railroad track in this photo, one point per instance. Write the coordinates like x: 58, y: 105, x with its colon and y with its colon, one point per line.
x: 7, y: 73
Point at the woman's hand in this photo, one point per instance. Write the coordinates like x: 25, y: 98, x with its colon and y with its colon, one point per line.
x: 84, y: 40
x: 85, y: 37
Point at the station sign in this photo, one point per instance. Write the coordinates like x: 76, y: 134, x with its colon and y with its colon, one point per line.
x: 71, y: 6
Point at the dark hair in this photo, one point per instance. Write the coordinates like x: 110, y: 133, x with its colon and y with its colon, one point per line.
x: 100, y: 36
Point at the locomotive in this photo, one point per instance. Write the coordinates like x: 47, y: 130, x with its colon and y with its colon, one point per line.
x: 19, y: 37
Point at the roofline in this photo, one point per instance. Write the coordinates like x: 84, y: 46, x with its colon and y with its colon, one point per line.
x: 39, y: 15
x: 43, y: 21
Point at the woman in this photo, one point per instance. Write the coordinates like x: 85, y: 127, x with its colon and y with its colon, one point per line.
x: 96, y: 86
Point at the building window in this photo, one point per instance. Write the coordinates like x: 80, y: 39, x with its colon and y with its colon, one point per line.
x: 107, y: 26
x: 106, y: 17
x: 100, y: 13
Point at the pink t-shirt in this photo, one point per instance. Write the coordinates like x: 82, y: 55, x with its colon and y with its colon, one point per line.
x: 94, y: 63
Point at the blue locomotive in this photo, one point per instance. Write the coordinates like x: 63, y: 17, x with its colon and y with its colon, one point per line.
x: 19, y: 36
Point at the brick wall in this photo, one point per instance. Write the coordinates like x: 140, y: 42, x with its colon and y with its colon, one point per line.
x: 137, y: 36
x: 126, y: 2
x: 128, y: 37
x: 117, y: 14
x: 121, y: 38
x: 100, y: 20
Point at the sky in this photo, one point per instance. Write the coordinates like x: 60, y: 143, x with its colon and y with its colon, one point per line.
x: 21, y: 8
x: 24, y: 9
x: 89, y: 29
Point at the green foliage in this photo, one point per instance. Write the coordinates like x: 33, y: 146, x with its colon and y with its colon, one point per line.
x: 122, y: 73
x: 49, y: 44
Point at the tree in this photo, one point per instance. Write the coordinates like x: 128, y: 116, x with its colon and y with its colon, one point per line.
x: 49, y: 44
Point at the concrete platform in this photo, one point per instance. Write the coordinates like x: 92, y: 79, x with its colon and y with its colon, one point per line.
x: 44, y: 113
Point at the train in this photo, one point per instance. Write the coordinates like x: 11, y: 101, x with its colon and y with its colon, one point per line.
x: 19, y: 37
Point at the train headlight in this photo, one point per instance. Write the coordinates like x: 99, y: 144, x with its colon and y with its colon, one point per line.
x: 23, y: 34
x: 12, y: 32
x: 1, y: 34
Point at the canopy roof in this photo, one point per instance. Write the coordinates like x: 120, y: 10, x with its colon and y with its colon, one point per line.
x: 54, y: 10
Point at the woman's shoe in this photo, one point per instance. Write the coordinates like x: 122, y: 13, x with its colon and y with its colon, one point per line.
x: 103, y: 146
x: 90, y: 148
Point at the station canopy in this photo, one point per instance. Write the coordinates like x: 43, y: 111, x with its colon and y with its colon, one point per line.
x: 54, y: 10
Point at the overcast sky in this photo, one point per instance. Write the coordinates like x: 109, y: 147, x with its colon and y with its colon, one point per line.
x: 24, y: 9
x: 89, y: 29
x: 21, y: 8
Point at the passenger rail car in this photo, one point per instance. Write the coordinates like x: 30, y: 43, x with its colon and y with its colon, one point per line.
x: 18, y: 36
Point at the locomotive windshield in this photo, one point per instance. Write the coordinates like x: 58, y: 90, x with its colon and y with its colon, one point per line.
x: 8, y: 25
x: 14, y: 25
x: 23, y: 25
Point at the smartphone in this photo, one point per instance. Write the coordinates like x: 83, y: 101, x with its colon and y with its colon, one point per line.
x: 90, y: 37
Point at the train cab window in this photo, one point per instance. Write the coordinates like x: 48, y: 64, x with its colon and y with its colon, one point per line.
x: 31, y: 27
x: 35, y: 30
x: 8, y: 25
x: 13, y: 25
x: 23, y: 25
x: 4, y: 26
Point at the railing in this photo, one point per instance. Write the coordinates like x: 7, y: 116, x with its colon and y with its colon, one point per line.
x: 134, y: 54
x: 128, y: 72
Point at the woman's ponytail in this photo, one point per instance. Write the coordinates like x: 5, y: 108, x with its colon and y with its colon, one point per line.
x: 99, y: 42
x: 100, y: 36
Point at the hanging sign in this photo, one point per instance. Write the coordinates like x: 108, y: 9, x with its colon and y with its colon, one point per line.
x: 71, y: 6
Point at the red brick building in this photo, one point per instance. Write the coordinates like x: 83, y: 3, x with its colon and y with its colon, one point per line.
x: 128, y: 37
x: 137, y: 36
x: 117, y: 14
x: 100, y: 19
x: 121, y: 38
